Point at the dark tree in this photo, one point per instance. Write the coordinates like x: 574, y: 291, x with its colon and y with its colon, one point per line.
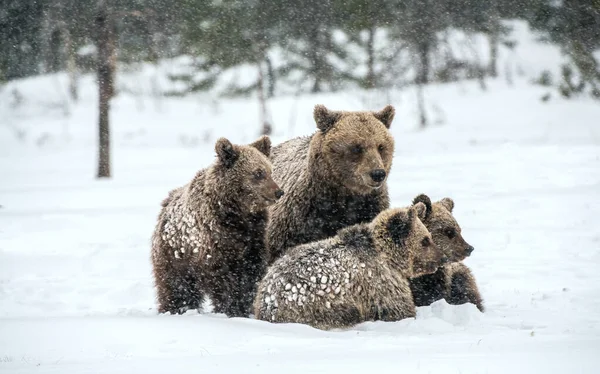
x: 20, y: 47
x: 230, y: 33
x: 480, y: 16
x: 106, y: 68
x: 417, y: 23
x: 307, y: 39
x: 575, y: 26
x: 358, y: 17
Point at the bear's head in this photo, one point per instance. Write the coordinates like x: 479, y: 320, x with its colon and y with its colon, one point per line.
x: 404, y: 241
x: 353, y: 149
x: 245, y: 172
x: 443, y: 227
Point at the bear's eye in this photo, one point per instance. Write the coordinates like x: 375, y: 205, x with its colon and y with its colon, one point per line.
x: 450, y: 233
x: 259, y: 174
x: 426, y: 242
x: 356, y: 149
x: 381, y: 148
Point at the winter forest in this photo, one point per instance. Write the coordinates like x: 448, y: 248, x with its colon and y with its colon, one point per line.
x: 304, y: 186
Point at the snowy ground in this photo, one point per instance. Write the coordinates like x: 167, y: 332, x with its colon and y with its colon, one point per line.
x: 76, y: 293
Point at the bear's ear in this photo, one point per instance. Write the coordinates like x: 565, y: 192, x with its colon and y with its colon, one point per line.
x: 226, y: 152
x: 386, y: 115
x: 447, y: 203
x: 325, y: 118
x: 422, y: 198
x: 421, y: 210
x: 399, y: 226
x: 263, y: 144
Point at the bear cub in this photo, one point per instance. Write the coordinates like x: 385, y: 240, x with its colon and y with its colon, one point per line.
x: 210, y: 235
x: 454, y: 281
x: 359, y: 275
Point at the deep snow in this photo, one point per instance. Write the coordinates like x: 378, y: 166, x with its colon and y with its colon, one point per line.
x: 76, y: 292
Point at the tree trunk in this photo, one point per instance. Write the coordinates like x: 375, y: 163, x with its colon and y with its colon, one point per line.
x: 494, y: 39
x: 316, y: 72
x: 371, y: 80
x: 271, y: 75
x: 262, y: 101
x: 106, y: 47
x: 423, y: 47
x: 421, y: 106
x: 316, y: 59
x: 71, y: 65
x: 151, y: 37
x: 45, y: 36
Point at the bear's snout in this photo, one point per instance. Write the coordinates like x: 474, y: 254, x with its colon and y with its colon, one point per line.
x: 378, y: 175
x: 278, y: 194
x: 469, y: 250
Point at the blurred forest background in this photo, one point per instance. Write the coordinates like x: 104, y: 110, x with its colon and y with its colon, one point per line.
x: 288, y: 47
x: 308, y: 45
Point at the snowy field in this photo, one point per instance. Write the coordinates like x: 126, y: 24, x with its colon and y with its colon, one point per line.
x: 76, y: 292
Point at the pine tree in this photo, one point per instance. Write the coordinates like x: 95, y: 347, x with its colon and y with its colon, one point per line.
x: 575, y: 26
x: 20, y: 25
x: 105, y: 40
x: 417, y: 23
x: 358, y: 17
x: 308, y: 42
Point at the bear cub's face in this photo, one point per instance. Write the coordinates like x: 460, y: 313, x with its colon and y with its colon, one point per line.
x: 247, y: 170
x: 412, y: 241
x: 356, y: 146
x: 444, y: 229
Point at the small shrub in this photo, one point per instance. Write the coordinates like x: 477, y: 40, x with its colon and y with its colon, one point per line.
x: 545, y: 79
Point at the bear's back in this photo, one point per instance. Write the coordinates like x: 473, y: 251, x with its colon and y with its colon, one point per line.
x: 290, y: 160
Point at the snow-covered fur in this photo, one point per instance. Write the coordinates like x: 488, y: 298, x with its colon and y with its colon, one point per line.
x: 358, y: 275
x: 453, y: 282
x: 336, y: 177
x: 209, y: 238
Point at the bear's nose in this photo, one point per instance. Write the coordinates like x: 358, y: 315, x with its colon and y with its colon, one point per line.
x: 378, y: 175
x: 278, y: 193
x: 469, y: 250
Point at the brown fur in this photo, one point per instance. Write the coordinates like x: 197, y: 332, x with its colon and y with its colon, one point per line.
x: 361, y: 274
x: 209, y: 238
x: 453, y: 282
x: 329, y: 177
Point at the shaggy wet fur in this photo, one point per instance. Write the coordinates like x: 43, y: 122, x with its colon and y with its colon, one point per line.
x: 359, y: 275
x: 453, y: 282
x: 209, y: 238
x: 333, y: 179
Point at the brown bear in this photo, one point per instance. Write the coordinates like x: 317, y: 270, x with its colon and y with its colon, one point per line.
x: 335, y: 177
x: 359, y: 275
x: 454, y: 281
x: 210, y: 235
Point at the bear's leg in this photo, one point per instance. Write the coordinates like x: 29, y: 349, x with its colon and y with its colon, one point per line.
x: 248, y: 294
x: 428, y: 288
x: 463, y: 289
x: 227, y: 294
x: 253, y: 269
x: 337, y: 316
x: 394, y: 309
x: 231, y: 304
x: 178, y: 293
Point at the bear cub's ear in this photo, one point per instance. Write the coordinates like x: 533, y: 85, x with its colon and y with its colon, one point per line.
x: 263, y: 144
x: 399, y: 226
x: 421, y: 210
x: 226, y: 152
x: 325, y: 118
x: 422, y: 198
x: 386, y: 115
x: 447, y: 203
